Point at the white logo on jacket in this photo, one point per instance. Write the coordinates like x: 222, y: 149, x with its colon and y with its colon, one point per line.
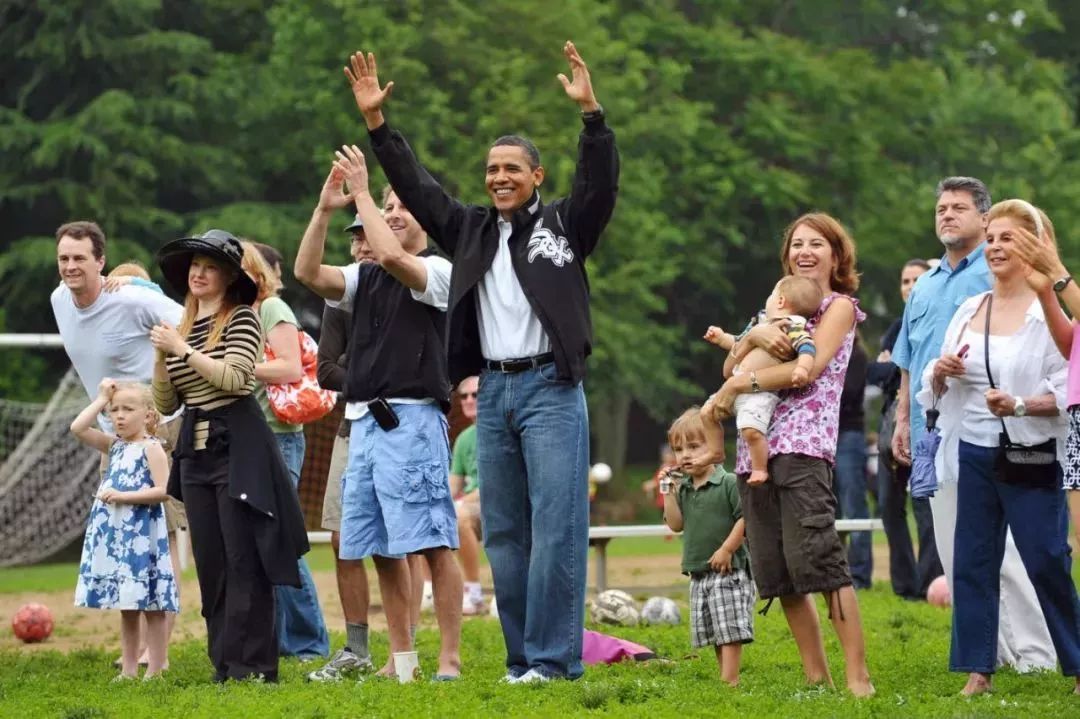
x: 545, y: 243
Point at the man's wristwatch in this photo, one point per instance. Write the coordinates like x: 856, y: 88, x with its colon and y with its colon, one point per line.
x: 593, y: 114
x: 1061, y: 284
x: 1019, y: 408
x: 754, y: 386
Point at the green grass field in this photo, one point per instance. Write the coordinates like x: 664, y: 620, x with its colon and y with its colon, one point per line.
x: 907, y: 646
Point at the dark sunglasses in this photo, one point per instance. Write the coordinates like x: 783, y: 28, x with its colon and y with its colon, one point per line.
x: 468, y: 395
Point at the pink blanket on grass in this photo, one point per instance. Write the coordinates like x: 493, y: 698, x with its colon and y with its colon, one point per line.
x: 601, y: 648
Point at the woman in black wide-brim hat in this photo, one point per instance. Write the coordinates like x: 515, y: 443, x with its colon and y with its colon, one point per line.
x: 246, y: 527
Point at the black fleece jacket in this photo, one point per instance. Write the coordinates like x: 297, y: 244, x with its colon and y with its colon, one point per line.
x: 548, y: 245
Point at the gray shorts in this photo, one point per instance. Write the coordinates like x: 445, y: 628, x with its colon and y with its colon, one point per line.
x: 721, y: 608
x: 791, y: 528
x: 331, y: 504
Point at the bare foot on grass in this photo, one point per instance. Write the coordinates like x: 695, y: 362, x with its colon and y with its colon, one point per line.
x: 977, y: 684
x: 450, y: 666
x: 861, y: 689
x: 387, y: 670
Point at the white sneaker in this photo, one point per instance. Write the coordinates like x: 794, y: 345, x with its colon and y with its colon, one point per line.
x: 427, y: 599
x: 342, y: 664
x: 532, y: 676
x: 471, y: 606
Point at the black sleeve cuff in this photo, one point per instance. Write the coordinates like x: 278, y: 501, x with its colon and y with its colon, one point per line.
x: 594, y: 125
x: 380, y: 134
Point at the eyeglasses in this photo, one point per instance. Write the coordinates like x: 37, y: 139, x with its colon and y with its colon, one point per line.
x: 468, y: 395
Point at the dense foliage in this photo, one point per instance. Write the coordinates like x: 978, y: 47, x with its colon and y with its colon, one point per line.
x: 158, y: 118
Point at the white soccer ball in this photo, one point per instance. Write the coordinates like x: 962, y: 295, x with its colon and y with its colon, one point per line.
x: 660, y: 610
x: 614, y: 607
x: 600, y: 473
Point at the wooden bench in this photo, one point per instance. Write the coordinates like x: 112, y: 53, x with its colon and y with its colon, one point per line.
x: 600, y: 537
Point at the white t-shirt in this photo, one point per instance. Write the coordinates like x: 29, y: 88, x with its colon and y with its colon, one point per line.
x: 509, y: 329
x: 111, y: 337
x: 436, y: 294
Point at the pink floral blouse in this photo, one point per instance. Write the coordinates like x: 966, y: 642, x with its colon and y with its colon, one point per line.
x: 806, y: 420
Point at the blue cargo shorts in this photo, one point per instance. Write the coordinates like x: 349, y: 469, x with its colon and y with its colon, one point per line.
x: 395, y: 493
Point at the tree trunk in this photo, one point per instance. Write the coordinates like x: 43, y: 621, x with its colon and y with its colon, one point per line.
x: 610, y: 422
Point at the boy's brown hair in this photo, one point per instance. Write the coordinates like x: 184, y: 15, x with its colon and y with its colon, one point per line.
x: 688, y: 425
x: 801, y: 294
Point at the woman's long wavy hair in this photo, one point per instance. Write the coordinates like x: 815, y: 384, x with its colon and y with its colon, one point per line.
x: 221, y: 318
x: 844, y: 277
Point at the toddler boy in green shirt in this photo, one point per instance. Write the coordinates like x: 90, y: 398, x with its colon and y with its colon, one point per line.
x: 701, y: 500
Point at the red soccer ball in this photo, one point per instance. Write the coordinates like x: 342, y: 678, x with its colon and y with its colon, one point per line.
x: 32, y: 623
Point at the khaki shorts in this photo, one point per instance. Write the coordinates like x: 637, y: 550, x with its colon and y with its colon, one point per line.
x: 791, y: 528
x: 175, y: 514
x: 331, y: 506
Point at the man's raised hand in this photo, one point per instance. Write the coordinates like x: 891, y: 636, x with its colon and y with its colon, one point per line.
x: 333, y: 196
x: 580, y: 89
x: 350, y: 162
x: 363, y: 77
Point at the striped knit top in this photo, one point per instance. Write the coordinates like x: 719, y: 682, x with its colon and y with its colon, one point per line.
x: 234, y: 368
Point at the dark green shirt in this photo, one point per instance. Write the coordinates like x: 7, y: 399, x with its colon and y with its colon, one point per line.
x: 709, y: 514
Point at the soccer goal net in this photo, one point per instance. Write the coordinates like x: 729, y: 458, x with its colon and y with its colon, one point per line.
x: 47, y: 477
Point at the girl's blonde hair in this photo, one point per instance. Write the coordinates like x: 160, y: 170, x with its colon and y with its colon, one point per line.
x: 1028, y: 215
x: 145, y: 393
x: 221, y: 318
x: 131, y: 268
x: 260, y: 270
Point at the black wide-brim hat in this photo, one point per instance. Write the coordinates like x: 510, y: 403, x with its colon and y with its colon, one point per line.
x: 174, y: 259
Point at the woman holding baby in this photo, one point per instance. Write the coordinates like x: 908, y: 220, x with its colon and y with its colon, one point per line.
x: 790, y: 517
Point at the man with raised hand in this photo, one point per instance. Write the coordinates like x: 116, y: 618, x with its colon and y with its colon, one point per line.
x: 395, y: 497
x: 519, y: 317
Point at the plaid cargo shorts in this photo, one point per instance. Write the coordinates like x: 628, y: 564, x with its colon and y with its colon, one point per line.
x: 721, y: 608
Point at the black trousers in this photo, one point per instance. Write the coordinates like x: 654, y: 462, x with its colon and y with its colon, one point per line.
x: 910, y: 578
x: 237, y: 597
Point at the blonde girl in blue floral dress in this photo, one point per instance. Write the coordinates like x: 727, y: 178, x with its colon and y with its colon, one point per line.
x: 125, y: 559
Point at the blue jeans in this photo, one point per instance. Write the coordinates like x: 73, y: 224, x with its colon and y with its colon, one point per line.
x: 532, y: 447
x: 300, y: 625
x: 849, y: 485
x: 1039, y: 523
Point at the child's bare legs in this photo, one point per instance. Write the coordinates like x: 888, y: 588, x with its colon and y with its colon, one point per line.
x: 848, y: 625
x: 758, y: 445
x: 129, y: 642
x: 157, y: 642
x: 728, y: 657
x: 802, y: 619
x: 170, y: 617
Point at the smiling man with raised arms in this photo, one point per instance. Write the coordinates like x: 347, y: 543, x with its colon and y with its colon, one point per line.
x: 519, y: 318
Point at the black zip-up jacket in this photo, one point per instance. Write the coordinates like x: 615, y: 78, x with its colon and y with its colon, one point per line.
x: 548, y: 245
